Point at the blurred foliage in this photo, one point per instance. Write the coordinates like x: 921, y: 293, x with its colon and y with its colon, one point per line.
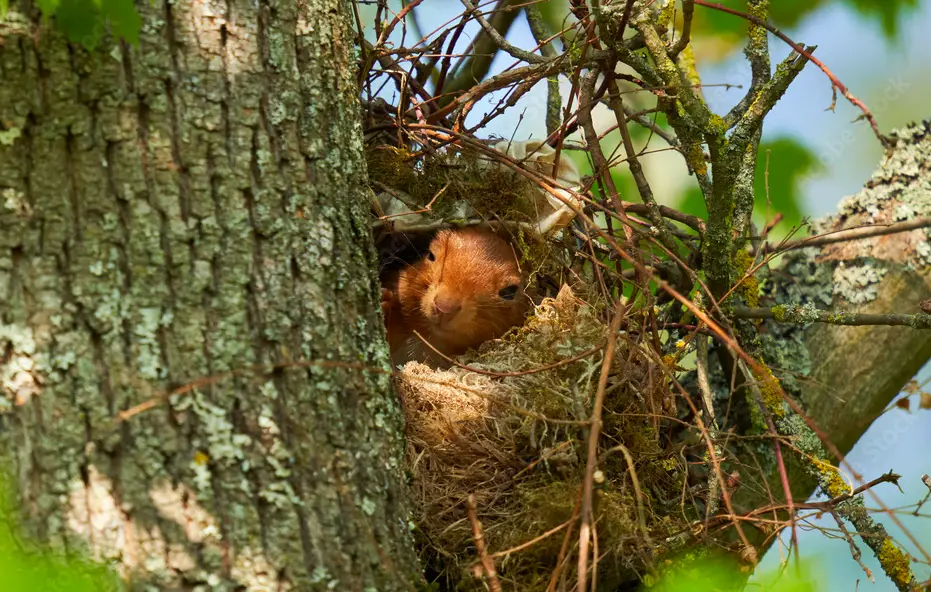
x: 789, y: 13
x: 23, y: 566
x: 86, y: 21
x: 789, y: 163
x: 784, y: 13
x: 714, y: 574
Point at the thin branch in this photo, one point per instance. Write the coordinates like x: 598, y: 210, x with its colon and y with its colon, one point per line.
x: 488, y: 564
x: 501, y: 42
x: 927, y: 481
x: 802, y: 314
x: 707, y: 399
x: 764, y: 100
x: 688, y: 8
x: 532, y: 541
x: 851, y: 234
x: 835, y: 83
x: 594, y: 433
x: 472, y: 69
x: 889, y: 477
x: 647, y: 123
x: 633, y: 163
x: 854, y: 550
x: 553, y: 100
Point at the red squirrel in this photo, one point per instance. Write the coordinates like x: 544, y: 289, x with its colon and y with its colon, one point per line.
x: 466, y: 290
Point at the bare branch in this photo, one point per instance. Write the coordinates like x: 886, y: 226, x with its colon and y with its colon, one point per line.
x: 851, y: 234
x: 809, y: 314
x: 500, y: 41
x: 835, y: 82
x: 488, y: 564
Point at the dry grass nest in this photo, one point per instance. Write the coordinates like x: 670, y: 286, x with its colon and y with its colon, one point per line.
x: 517, y: 441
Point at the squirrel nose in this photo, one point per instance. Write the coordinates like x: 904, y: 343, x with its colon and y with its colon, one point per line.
x: 447, y: 306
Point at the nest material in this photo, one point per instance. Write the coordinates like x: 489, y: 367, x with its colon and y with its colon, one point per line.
x: 417, y: 193
x: 518, y: 444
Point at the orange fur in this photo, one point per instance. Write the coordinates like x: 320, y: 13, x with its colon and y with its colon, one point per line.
x: 454, y: 301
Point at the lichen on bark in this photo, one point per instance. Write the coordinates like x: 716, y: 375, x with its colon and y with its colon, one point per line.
x: 884, y: 274
x: 189, y: 208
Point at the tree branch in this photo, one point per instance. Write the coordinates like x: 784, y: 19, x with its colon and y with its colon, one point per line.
x: 851, y: 234
x: 807, y: 53
x: 803, y: 314
x: 500, y: 41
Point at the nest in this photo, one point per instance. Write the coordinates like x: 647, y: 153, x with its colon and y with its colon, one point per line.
x: 513, y: 433
x: 508, y: 426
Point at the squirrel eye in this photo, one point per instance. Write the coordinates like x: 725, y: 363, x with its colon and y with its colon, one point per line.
x: 509, y: 293
x: 431, y: 256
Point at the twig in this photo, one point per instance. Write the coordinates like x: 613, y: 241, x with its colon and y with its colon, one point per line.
x: 625, y: 18
x: 394, y: 22
x: 688, y: 8
x: 633, y: 163
x: 594, y: 433
x: 854, y: 550
x: 487, y: 562
x: 648, y: 124
x: 707, y: 399
x: 802, y: 314
x: 641, y: 512
x: 553, y: 100
x: 927, y: 481
x: 835, y: 83
x: 561, y: 559
x: 470, y: 70
x: 889, y: 477
x: 532, y: 541
x: 501, y: 42
x: 851, y: 234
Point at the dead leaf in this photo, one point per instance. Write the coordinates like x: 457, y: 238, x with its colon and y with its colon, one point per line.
x: 925, y: 401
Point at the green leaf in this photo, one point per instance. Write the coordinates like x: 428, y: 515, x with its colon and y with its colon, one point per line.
x: 124, y: 20
x: 710, y: 573
x: 693, y: 202
x: 789, y: 162
x: 47, y: 7
x: 24, y: 566
x: 80, y: 21
x: 84, y: 21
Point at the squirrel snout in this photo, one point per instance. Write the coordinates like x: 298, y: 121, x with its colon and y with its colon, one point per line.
x: 446, y: 307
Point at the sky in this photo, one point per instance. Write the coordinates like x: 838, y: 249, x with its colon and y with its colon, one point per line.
x: 894, y: 79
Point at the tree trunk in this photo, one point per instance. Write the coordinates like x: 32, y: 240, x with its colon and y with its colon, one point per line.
x: 191, y: 212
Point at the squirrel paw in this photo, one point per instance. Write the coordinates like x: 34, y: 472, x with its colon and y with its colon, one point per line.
x: 387, y: 301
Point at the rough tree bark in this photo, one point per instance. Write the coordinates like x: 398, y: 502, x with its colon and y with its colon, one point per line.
x: 193, y: 208
x: 844, y: 375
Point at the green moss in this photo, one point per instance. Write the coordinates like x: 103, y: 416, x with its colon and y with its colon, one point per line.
x: 696, y: 159
x: 748, y: 287
x: 779, y: 313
